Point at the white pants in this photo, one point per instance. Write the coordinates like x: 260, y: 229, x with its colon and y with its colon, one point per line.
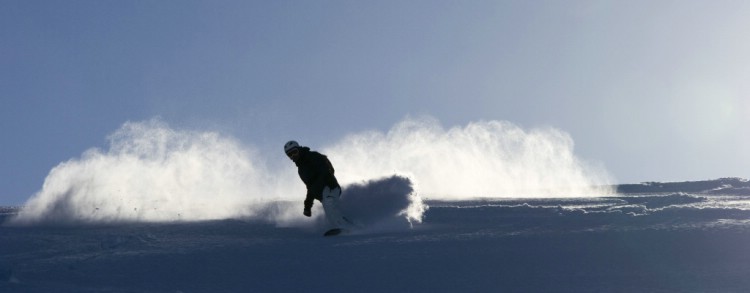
x: 331, y: 207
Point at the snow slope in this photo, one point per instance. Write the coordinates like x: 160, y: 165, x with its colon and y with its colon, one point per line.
x: 636, y: 241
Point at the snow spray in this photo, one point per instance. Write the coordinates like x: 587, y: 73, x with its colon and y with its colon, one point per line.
x: 154, y: 173
x: 482, y: 159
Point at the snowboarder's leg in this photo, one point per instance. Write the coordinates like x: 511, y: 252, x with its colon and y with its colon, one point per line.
x: 331, y: 207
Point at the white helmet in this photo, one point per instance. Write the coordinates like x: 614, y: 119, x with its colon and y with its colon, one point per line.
x: 290, y: 145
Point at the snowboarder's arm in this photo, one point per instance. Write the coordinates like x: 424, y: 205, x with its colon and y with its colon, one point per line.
x: 309, y: 199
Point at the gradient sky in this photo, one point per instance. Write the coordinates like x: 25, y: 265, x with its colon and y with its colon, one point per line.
x: 654, y: 90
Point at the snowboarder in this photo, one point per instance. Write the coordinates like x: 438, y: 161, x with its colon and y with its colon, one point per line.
x: 316, y: 172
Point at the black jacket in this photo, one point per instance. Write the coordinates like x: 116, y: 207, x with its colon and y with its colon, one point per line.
x: 316, y: 172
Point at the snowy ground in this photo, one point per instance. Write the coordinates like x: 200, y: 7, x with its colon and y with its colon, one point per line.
x: 635, y: 242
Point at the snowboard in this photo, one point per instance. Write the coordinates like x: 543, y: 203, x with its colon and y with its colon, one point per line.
x: 333, y: 232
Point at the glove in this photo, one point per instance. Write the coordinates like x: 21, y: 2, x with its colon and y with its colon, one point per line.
x: 307, y: 213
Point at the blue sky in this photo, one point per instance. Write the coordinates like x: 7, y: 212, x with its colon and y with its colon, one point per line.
x: 654, y: 90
